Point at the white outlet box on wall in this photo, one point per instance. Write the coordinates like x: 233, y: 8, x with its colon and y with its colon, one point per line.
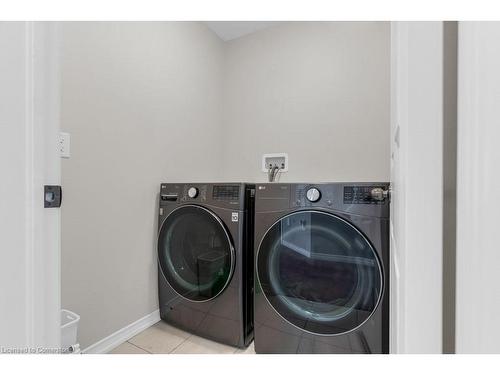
x: 64, y: 144
x: 281, y: 159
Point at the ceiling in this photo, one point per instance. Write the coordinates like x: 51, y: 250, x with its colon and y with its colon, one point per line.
x: 228, y: 30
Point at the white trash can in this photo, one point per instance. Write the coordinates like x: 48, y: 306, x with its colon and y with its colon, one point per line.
x: 69, y: 331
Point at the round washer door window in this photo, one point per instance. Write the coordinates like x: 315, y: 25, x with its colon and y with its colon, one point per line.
x: 195, y: 253
x: 319, y: 272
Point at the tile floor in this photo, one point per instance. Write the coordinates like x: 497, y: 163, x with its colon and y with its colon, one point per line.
x: 162, y: 338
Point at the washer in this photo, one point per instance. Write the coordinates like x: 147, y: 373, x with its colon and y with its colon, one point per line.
x: 205, y: 259
x: 321, y: 262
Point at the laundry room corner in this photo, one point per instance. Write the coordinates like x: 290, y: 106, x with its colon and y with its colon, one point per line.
x: 288, y: 89
x: 130, y: 92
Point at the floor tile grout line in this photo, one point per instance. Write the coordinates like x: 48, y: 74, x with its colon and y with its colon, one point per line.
x: 190, y: 336
x: 186, y: 339
x: 140, y: 347
x: 172, y: 351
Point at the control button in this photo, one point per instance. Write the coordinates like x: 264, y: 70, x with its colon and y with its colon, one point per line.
x: 192, y: 192
x: 378, y: 194
x: 313, y: 195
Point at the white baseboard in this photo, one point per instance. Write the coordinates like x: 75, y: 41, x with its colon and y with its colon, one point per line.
x: 119, y: 337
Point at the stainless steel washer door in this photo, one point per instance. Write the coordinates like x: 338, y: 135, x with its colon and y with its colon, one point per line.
x: 319, y: 272
x: 195, y: 253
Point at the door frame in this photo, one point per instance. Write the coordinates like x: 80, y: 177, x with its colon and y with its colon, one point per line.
x: 31, y: 120
x: 478, y: 181
x: 417, y: 187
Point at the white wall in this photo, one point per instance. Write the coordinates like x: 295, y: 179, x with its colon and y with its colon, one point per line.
x: 316, y: 90
x: 478, y: 185
x: 142, y: 104
x: 417, y: 185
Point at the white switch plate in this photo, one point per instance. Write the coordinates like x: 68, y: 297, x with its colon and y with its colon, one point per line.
x: 278, y: 158
x: 64, y: 144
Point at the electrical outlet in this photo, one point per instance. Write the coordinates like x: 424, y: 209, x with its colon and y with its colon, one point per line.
x: 64, y: 144
x: 279, y: 159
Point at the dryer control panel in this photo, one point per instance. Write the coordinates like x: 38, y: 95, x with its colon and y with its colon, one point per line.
x: 365, y: 194
x: 360, y: 198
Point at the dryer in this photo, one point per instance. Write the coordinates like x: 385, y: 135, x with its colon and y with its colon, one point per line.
x: 321, y: 262
x: 205, y: 259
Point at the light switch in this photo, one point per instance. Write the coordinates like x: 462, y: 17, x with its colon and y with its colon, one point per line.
x: 64, y: 144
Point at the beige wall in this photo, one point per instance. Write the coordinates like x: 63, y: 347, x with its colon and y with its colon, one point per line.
x: 316, y: 90
x: 166, y: 101
x: 142, y: 104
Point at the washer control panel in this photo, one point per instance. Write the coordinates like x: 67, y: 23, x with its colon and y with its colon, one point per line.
x: 226, y: 192
x: 221, y: 195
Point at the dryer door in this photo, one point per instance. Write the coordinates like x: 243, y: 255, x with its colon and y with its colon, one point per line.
x: 319, y: 272
x: 195, y: 253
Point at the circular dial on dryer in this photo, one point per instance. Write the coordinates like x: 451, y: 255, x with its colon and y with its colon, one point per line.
x: 192, y: 192
x: 313, y: 195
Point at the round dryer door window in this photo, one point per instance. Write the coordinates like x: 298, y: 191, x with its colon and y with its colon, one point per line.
x: 319, y: 272
x: 195, y: 253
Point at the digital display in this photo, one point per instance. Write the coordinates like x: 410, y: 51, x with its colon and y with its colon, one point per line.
x: 226, y: 192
